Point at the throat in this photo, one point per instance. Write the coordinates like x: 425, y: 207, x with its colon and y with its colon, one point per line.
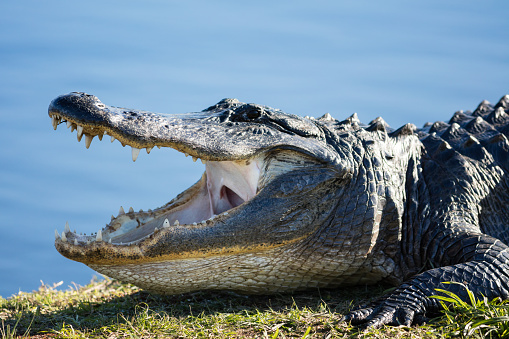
x: 231, y: 183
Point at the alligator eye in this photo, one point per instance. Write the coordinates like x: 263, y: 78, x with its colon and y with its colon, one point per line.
x: 249, y: 112
x: 254, y: 113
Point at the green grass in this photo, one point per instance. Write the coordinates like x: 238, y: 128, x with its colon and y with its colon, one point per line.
x: 109, y: 309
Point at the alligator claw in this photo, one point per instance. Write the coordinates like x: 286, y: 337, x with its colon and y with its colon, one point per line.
x: 403, y: 307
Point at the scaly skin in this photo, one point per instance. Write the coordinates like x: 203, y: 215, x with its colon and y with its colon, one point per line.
x: 306, y: 203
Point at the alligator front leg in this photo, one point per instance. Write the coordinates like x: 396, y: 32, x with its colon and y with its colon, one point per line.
x: 483, y: 268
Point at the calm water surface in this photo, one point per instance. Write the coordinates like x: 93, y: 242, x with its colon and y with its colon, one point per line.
x: 404, y: 61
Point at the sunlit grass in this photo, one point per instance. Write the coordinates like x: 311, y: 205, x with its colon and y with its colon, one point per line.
x: 109, y: 309
x: 477, y: 317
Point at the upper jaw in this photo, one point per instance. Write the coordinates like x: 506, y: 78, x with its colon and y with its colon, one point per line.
x: 226, y: 131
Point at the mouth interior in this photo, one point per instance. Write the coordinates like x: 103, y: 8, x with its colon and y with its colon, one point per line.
x: 225, y: 185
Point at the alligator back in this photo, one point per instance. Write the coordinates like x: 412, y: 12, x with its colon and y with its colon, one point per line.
x: 466, y: 165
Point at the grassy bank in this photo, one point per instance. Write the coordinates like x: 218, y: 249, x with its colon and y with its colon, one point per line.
x: 109, y: 309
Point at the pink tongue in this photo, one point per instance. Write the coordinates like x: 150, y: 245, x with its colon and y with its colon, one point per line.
x: 230, y: 184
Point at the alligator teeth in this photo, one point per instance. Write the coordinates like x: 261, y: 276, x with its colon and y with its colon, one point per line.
x: 55, y: 121
x: 80, y: 132
x: 176, y: 223
x: 57, y: 236
x: 203, y: 161
x: 194, y: 224
x: 121, y: 211
x: 64, y: 238
x: 67, y: 229
x: 194, y: 159
x: 112, y: 217
x: 109, y: 241
x: 100, y: 136
x: 158, y: 146
x: 88, y: 140
x: 149, y: 149
x: 73, y: 127
x: 112, y: 138
x: 69, y: 124
x: 166, y: 223
x: 131, y: 209
x: 75, y: 242
x: 135, y: 152
x: 99, y: 236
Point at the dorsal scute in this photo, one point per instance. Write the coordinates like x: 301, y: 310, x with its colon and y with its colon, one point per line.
x: 407, y: 129
x: 378, y: 124
x: 460, y: 118
x: 498, y: 117
x: 483, y: 109
x: 438, y: 127
x: 481, y: 135
x: 503, y: 102
x: 326, y: 117
x: 350, y: 123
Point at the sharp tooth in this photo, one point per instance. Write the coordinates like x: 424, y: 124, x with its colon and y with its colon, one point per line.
x: 121, y: 211
x: 141, y: 210
x: 75, y: 242
x: 69, y: 124
x: 99, y: 236
x: 135, y: 152
x: 158, y: 146
x: 80, y: 132
x: 194, y: 224
x: 203, y: 222
x: 64, y: 238
x: 112, y: 138
x: 225, y: 213
x: 149, y: 149
x: 57, y: 236
x: 186, y: 155
x: 194, y: 159
x: 73, y: 127
x: 100, y: 136
x: 55, y: 121
x: 109, y: 241
x: 67, y: 229
x: 156, y: 229
x: 166, y: 223
x: 112, y: 217
x: 203, y: 161
x: 131, y: 209
x: 88, y: 140
x: 176, y: 223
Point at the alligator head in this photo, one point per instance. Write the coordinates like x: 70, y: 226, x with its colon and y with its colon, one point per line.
x: 268, y: 188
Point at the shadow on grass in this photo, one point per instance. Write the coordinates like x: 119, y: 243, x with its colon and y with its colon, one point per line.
x: 95, y: 312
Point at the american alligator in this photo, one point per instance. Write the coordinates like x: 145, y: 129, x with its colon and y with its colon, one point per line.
x: 289, y: 203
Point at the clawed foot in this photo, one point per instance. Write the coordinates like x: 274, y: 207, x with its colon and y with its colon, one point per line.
x: 405, y: 306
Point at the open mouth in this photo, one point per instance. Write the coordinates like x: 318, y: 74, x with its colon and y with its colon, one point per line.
x: 224, y: 186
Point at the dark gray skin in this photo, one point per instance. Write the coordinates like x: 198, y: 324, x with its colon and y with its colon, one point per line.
x: 337, y: 203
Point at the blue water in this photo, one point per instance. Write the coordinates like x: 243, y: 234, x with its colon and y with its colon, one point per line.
x: 406, y: 61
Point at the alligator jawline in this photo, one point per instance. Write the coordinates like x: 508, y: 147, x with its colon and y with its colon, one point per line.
x: 225, y: 186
